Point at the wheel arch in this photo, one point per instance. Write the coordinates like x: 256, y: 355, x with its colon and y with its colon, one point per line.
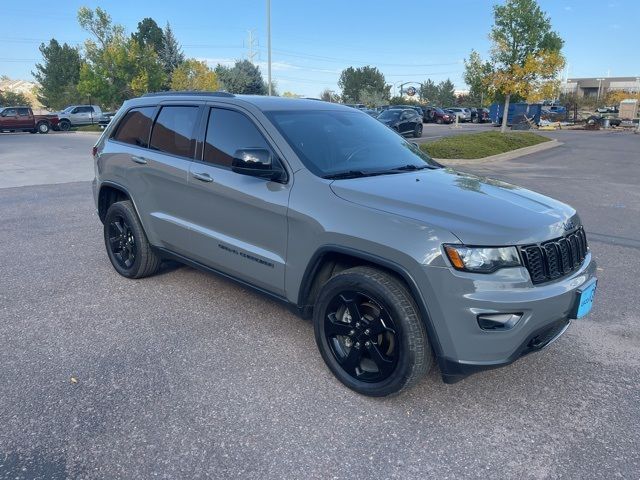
x: 108, y: 194
x: 331, y: 259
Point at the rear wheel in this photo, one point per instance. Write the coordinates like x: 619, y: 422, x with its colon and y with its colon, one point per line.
x: 369, y: 332
x: 64, y: 125
x: 42, y: 127
x: 127, y: 245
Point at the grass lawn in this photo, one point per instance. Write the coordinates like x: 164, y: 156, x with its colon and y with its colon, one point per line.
x: 89, y: 128
x: 479, y: 145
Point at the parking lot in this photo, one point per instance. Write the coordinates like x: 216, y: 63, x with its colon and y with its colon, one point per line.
x: 188, y: 375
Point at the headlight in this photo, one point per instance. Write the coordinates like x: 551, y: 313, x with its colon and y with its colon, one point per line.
x: 482, y: 259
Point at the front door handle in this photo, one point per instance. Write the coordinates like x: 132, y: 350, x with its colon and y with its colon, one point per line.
x: 137, y: 159
x: 203, y: 177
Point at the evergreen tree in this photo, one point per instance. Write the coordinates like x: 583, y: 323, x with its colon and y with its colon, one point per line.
x: 58, y: 74
x: 171, y: 53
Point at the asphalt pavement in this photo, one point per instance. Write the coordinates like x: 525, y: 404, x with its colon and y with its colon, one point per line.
x: 188, y: 375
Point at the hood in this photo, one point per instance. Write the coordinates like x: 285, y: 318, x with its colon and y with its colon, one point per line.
x: 479, y: 211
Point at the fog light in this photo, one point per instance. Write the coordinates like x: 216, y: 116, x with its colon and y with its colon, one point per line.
x: 498, y: 321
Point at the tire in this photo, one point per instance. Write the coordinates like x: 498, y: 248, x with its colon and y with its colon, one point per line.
x: 417, y: 132
x: 126, y: 243
x: 439, y: 121
x: 64, y: 125
x: 371, y: 357
x: 475, y: 120
x: 42, y: 127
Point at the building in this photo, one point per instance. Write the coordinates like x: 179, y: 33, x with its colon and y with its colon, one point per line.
x: 599, y: 87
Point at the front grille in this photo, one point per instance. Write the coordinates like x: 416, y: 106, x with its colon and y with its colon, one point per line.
x: 556, y: 258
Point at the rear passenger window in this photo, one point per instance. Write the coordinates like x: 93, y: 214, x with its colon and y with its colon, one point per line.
x: 135, y: 127
x: 227, y: 132
x: 173, y: 131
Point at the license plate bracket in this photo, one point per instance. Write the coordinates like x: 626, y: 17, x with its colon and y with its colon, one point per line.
x: 584, y: 299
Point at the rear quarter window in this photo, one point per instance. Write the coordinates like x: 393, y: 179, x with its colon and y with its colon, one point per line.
x: 135, y: 126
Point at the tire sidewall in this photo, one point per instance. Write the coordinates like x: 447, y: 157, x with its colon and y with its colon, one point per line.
x: 43, y: 127
x: 363, y: 284
x: 64, y: 125
x: 120, y: 209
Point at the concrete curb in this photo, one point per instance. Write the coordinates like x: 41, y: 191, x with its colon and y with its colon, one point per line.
x: 520, y: 152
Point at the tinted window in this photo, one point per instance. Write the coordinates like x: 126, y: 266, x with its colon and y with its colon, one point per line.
x: 330, y: 142
x: 228, y: 131
x: 23, y: 112
x: 134, y: 128
x: 173, y: 130
x: 10, y: 112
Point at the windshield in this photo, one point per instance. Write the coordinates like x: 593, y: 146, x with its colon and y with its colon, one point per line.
x: 67, y: 110
x: 331, y: 142
x: 389, y: 115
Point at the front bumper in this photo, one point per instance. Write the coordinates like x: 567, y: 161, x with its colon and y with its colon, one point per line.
x: 455, y: 299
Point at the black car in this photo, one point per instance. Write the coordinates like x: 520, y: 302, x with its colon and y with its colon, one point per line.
x: 405, y: 121
x: 479, y: 115
x: 417, y: 108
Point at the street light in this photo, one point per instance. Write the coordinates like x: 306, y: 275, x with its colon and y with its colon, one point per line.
x: 269, y: 45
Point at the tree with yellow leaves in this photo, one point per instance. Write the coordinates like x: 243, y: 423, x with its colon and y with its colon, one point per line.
x: 525, y: 54
x: 193, y: 74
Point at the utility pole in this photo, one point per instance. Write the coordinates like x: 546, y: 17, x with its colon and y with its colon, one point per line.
x: 269, y: 45
x: 251, y: 44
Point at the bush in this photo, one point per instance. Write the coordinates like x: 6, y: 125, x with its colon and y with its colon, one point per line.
x: 479, y: 145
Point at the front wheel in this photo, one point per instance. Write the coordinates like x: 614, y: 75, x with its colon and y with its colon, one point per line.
x: 369, y: 332
x: 417, y: 133
x: 439, y: 121
x: 64, y: 125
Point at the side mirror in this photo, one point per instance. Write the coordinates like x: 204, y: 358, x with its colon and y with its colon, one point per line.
x: 257, y: 162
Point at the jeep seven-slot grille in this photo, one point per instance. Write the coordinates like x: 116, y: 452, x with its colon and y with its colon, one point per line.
x: 555, y: 258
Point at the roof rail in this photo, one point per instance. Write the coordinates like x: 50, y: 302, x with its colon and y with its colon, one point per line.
x: 189, y: 92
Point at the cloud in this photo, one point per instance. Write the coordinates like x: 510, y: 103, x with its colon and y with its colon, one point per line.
x: 568, y: 8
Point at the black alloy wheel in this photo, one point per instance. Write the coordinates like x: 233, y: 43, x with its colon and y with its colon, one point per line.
x: 362, y: 336
x: 122, y: 242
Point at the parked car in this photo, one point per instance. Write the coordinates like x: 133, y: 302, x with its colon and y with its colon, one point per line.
x: 22, y: 119
x: 79, y: 115
x: 463, y: 114
x: 405, y: 121
x: 417, y: 108
x: 370, y: 111
x: 397, y: 260
x: 106, y: 118
x: 480, y: 115
x: 359, y: 106
x: 436, y: 115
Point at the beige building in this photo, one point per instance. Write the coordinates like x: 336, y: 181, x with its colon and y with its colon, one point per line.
x: 598, y: 87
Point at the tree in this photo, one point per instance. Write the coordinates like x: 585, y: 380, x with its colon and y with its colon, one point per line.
x: 116, y: 67
x: 11, y: 99
x: 428, y: 91
x: 446, y: 93
x: 171, y: 53
x: 194, y: 75
x: 329, y: 96
x: 477, y: 74
x: 372, y: 98
x: 354, y: 81
x: 288, y: 94
x: 525, y: 52
x: 244, y: 78
x: 149, y: 34
x: 58, y: 74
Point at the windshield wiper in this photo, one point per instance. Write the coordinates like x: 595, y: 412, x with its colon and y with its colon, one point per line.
x: 347, y: 174
x: 410, y: 168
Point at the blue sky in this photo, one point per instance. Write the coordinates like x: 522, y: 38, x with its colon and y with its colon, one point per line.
x: 313, y: 41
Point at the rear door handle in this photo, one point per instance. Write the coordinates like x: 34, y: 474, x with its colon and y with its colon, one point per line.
x: 203, y: 177
x: 137, y: 159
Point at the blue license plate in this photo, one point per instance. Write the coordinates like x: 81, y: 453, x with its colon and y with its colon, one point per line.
x: 585, y: 300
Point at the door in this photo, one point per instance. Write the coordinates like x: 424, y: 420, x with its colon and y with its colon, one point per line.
x: 405, y: 123
x: 153, y: 164
x: 9, y: 118
x: 25, y: 120
x: 239, y: 222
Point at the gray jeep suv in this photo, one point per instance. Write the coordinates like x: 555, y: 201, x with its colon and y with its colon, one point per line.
x: 399, y: 261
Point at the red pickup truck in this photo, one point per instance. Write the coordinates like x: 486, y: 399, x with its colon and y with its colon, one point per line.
x: 22, y: 119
